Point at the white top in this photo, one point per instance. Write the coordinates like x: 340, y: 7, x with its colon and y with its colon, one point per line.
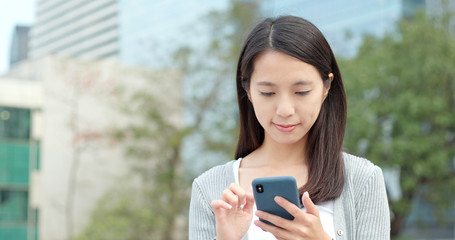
x: 325, y: 214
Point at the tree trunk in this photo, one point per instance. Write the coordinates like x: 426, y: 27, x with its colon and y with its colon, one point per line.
x: 173, y: 167
x: 397, y: 225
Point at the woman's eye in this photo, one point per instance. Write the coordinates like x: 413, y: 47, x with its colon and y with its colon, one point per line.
x: 267, y: 93
x: 302, y: 93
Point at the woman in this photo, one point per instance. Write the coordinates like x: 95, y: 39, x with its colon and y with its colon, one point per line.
x: 292, y: 122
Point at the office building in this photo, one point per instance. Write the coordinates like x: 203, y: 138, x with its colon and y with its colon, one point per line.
x: 135, y: 32
x: 344, y: 23
x: 78, y: 28
x: 19, y: 156
x: 151, y: 31
x: 438, y: 9
x: 19, y: 45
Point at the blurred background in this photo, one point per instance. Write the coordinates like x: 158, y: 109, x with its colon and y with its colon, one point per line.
x: 110, y: 108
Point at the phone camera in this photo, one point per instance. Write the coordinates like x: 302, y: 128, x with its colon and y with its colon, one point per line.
x: 260, y: 188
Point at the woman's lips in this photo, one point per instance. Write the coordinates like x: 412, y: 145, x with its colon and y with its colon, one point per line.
x: 285, y: 128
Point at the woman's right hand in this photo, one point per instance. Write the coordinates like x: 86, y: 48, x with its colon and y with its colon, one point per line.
x: 233, y: 213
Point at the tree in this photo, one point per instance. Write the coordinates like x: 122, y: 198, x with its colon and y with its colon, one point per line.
x: 154, y: 209
x: 401, y: 96
x: 210, y: 74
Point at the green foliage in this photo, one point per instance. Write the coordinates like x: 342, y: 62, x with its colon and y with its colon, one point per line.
x: 122, y: 219
x: 401, y: 96
x: 146, y: 206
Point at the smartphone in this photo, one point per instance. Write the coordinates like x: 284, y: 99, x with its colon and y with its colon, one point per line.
x: 265, y: 190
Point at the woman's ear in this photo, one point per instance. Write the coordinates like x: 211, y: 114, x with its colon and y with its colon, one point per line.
x: 246, y: 87
x: 327, y: 85
x: 248, y: 94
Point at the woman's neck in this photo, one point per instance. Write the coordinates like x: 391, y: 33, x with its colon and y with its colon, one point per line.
x: 274, y: 159
x: 273, y: 153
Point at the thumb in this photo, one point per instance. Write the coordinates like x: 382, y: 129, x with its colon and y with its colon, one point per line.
x: 310, y: 207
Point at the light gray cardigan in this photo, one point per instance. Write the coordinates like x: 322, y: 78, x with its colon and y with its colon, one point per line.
x: 361, y: 212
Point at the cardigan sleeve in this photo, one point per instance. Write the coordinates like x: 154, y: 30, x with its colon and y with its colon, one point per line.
x: 201, y: 217
x: 373, y: 215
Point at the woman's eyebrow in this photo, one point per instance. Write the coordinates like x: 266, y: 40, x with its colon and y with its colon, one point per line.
x: 301, y: 82
x: 265, y: 83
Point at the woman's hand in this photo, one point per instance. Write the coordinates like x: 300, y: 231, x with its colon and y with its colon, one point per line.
x: 233, y: 213
x: 304, y: 226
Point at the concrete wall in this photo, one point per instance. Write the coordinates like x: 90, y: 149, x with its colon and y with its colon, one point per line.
x: 79, y: 106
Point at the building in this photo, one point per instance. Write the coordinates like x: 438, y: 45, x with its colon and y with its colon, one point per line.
x: 19, y: 45
x: 438, y: 8
x: 139, y: 32
x: 58, y: 200
x: 20, y: 103
x: 84, y: 29
x: 134, y: 32
x: 344, y: 23
x: 151, y: 31
x: 57, y: 158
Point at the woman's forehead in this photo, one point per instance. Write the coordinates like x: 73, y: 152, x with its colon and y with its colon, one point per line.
x: 273, y: 66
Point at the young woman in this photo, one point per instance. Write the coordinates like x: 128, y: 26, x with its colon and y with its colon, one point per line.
x: 292, y: 122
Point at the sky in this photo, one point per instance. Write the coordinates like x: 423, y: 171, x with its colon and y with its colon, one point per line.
x: 12, y: 13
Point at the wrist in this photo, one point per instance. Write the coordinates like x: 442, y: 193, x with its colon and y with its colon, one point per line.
x: 221, y: 238
x: 327, y: 237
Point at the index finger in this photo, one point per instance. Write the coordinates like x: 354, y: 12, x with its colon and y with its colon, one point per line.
x: 291, y: 208
x: 239, y: 191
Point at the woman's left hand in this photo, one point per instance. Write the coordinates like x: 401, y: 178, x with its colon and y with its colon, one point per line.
x: 306, y: 225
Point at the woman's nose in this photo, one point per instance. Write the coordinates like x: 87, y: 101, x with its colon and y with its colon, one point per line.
x: 285, y: 107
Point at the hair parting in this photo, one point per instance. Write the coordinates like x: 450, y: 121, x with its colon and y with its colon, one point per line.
x: 270, y: 36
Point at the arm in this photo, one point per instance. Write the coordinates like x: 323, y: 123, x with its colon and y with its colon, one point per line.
x: 202, y: 219
x: 373, y: 216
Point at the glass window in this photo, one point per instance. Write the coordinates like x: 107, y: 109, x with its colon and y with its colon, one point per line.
x: 13, y: 206
x: 14, y: 162
x: 14, y: 123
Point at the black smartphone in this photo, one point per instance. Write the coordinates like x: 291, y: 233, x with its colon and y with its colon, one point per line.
x: 266, y: 189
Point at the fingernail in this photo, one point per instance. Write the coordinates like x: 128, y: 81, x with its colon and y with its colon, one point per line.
x: 228, y: 206
x: 278, y: 199
x: 258, y: 223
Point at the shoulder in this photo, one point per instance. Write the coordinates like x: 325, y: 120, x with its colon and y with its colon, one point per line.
x: 224, y: 171
x: 361, y: 173
x: 358, y: 168
x: 213, y: 181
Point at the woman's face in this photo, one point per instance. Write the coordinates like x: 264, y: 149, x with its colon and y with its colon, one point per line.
x: 287, y: 95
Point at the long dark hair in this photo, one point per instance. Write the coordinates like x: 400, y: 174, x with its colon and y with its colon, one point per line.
x: 298, y: 38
